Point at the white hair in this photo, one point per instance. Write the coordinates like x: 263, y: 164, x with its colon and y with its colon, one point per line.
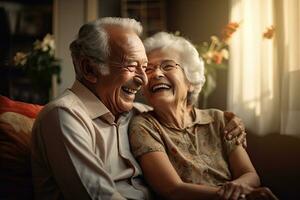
x: 191, y: 62
x: 92, y: 41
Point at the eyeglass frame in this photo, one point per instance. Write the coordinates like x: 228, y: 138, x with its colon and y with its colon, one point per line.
x: 161, y: 67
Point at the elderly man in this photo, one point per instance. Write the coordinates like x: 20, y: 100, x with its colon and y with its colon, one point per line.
x: 80, y: 147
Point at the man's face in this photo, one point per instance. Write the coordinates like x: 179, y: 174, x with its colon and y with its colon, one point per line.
x: 127, y: 64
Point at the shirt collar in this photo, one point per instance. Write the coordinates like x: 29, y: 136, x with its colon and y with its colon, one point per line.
x: 92, y: 103
x: 201, y: 117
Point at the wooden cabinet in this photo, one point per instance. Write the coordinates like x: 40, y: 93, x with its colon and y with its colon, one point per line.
x: 151, y: 13
x: 22, y: 23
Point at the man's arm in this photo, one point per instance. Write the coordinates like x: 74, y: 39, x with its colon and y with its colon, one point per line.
x: 73, y: 163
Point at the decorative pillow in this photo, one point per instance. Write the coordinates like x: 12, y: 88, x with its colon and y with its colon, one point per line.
x: 16, y: 121
x: 29, y: 110
x: 20, y: 123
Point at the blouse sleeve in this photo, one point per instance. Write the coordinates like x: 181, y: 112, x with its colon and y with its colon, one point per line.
x: 144, y: 137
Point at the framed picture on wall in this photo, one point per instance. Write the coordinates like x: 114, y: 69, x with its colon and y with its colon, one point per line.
x: 34, y: 22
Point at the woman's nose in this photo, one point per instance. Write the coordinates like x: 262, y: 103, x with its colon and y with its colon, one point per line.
x: 158, y: 73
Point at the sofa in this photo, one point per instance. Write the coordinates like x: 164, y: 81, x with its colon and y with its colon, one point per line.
x: 16, y: 120
x: 277, y: 161
x: 276, y: 157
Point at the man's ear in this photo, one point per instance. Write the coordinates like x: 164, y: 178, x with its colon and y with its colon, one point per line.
x: 89, y: 70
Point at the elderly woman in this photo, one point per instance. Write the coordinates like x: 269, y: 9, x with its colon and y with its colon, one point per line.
x: 180, y: 148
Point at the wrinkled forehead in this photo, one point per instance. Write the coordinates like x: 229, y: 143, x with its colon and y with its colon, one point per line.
x: 125, y: 42
x: 121, y: 37
x: 161, y: 54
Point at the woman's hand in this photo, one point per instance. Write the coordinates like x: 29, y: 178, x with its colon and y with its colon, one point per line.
x: 235, y: 128
x: 233, y: 191
x: 262, y: 193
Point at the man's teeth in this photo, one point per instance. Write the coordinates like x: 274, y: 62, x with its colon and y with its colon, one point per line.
x: 129, y: 90
x: 160, y: 86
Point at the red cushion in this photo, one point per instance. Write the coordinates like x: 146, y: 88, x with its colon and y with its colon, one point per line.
x: 27, y: 109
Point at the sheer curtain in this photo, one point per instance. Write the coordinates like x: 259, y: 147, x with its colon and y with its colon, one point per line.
x: 264, y: 73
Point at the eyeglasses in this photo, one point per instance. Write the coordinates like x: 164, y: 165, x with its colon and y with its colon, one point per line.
x: 165, y: 66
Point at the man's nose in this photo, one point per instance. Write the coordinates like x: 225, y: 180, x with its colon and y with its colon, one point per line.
x: 140, y: 76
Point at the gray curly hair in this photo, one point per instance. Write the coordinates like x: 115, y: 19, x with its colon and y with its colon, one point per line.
x: 92, y: 41
x: 191, y: 62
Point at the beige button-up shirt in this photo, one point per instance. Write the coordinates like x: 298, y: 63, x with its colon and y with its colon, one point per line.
x: 79, y: 152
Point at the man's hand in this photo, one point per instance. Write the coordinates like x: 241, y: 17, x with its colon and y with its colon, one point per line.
x: 235, y: 128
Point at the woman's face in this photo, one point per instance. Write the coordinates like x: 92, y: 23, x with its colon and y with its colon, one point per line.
x: 167, y: 84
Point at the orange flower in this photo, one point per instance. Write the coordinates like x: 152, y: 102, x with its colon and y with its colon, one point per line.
x: 229, y: 29
x: 269, y: 33
x: 217, y: 57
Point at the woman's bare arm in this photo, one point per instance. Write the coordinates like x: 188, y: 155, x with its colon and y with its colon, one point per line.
x: 244, y: 175
x: 242, y: 169
x: 164, y: 180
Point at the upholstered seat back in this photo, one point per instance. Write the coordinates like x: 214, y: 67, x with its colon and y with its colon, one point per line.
x: 16, y: 121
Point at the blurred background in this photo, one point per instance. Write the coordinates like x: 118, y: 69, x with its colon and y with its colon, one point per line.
x: 250, y: 49
x: 23, y: 22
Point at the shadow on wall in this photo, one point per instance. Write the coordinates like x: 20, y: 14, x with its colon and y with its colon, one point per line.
x: 277, y: 161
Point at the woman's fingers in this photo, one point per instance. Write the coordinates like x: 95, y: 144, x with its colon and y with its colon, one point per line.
x: 262, y: 193
x: 237, y: 193
x: 231, y: 191
x: 229, y: 188
x: 220, y: 193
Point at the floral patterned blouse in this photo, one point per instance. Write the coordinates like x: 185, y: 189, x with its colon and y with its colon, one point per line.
x: 199, y: 153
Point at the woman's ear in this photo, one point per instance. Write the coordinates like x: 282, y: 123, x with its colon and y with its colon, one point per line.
x: 89, y: 70
x: 191, y: 88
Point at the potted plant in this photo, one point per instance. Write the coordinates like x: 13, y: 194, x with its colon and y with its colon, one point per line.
x: 40, y: 65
